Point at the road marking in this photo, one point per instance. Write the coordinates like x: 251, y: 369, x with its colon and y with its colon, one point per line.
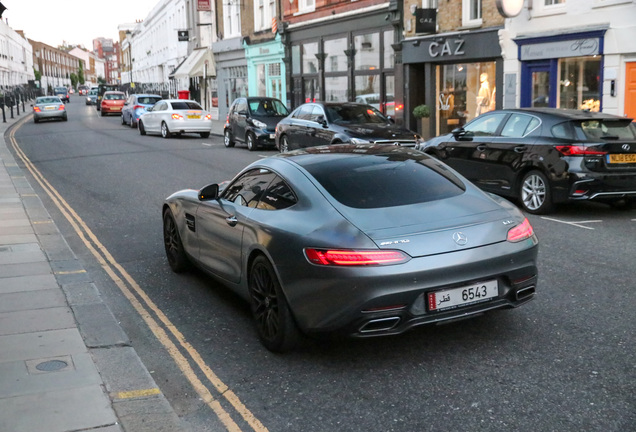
x: 137, y: 393
x: 70, y: 272
x: 206, y: 144
x: 576, y: 224
x: 127, y: 285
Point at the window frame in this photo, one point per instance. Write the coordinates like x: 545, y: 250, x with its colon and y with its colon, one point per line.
x: 467, y: 20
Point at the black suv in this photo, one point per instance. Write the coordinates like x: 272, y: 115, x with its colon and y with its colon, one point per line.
x: 253, y: 120
x: 545, y: 156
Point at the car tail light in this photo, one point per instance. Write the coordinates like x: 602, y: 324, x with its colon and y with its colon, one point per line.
x: 521, y: 232
x: 578, y: 150
x: 177, y: 116
x: 208, y: 117
x: 347, y: 257
x: 61, y: 108
x: 399, y: 107
x: 37, y: 109
x: 137, y: 107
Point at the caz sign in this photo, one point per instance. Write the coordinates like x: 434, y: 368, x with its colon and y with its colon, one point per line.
x: 448, y: 47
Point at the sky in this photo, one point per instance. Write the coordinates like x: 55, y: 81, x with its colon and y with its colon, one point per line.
x: 76, y: 22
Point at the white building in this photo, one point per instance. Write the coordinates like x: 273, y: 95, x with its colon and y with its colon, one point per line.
x: 16, y: 57
x: 572, y: 54
x: 94, y: 67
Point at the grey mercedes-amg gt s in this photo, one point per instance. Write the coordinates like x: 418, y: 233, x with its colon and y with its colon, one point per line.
x: 356, y: 239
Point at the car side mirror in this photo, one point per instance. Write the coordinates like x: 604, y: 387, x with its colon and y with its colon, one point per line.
x: 322, y: 120
x: 460, y: 134
x: 209, y: 193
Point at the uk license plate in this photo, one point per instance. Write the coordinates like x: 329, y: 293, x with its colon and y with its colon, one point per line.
x: 622, y: 158
x: 194, y: 117
x: 49, y: 108
x: 272, y: 136
x: 463, y: 296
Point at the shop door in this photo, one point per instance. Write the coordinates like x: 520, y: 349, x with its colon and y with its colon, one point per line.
x: 275, y: 87
x: 536, y: 90
x: 630, y: 90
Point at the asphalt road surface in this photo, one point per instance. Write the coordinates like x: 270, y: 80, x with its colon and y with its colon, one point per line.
x: 564, y: 362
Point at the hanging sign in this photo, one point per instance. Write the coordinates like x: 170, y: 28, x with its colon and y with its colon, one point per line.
x: 183, y: 35
x: 204, y: 5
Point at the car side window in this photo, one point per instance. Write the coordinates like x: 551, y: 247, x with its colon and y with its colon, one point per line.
x: 517, y: 126
x: 278, y: 196
x: 241, y: 106
x: 485, y: 125
x: 316, y: 112
x: 248, y: 188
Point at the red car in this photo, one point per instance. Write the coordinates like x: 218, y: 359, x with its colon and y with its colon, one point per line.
x: 112, y: 102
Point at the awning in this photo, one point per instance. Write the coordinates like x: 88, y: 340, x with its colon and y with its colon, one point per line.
x: 194, y: 64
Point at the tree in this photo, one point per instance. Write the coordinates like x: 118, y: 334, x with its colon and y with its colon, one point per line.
x: 38, y: 75
x: 80, y: 73
x: 74, y: 80
x: 101, y: 80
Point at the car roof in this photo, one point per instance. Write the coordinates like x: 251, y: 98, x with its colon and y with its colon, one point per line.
x: 114, y: 91
x: 146, y: 95
x: 567, y: 114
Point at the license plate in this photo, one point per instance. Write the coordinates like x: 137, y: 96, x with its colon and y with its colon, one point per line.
x: 622, y: 158
x: 49, y: 108
x: 272, y: 136
x: 116, y: 108
x: 194, y: 117
x: 463, y: 296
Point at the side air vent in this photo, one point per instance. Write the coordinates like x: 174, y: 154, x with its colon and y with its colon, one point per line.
x: 190, y: 222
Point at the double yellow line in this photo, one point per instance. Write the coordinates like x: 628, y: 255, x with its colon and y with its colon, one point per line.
x: 147, y: 309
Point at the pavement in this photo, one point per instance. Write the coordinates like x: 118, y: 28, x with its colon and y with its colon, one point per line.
x: 65, y: 363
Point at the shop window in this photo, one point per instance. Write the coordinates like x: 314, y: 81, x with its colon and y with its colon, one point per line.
x: 336, y: 60
x: 368, y: 90
x: 579, y: 83
x: 336, y: 89
x: 367, y: 48
x: 389, y: 55
x: 310, y: 62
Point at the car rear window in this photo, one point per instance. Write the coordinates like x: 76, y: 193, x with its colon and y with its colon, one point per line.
x: 384, y: 180
x: 606, y: 129
x: 185, y: 105
x: 148, y: 100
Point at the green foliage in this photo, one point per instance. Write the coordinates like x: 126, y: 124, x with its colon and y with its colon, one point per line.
x: 422, y: 111
x: 38, y: 74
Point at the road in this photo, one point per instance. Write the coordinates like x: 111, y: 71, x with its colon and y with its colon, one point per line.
x: 564, y: 362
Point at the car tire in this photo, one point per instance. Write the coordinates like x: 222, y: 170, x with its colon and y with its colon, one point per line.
x: 284, y: 144
x: 36, y: 120
x: 142, y: 129
x: 227, y: 138
x: 132, y: 123
x: 535, y: 194
x: 177, y: 258
x: 250, y: 140
x: 101, y: 112
x: 275, y: 324
x: 65, y: 118
x: 205, y: 134
x: 123, y: 121
x: 165, y: 132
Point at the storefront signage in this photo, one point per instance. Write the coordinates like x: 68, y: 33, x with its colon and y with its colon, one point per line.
x: 183, y: 35
x: 448, y: 47
x: 561, y: 49
x: 204, y: 5
x: 425, y: 20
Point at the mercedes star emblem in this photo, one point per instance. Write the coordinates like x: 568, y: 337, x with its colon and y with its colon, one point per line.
x: 460, y: 238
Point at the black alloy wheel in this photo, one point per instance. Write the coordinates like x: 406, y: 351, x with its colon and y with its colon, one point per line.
x: 535, y: 194
x: 177, y: 258
x: 142, y: 129
x: 284, y: 144
x: 275, y: 324
x: 227, y: 139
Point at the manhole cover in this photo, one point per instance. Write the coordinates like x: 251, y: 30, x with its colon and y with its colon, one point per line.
x: 51, y: 365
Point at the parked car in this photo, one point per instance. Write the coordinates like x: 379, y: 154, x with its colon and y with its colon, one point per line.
x: 545, y: 156
x: 135, y: 106
x: 62, y: 93
x: 101, y: 89
x: 176, y: 116
x: 112, y: 102
x: 253, y: 121
x: 82, y: 90
x: 373, y: 99
x: 49, y: 107
x: 338, y: 239
x: 320, y: 123
x: 91, y: 96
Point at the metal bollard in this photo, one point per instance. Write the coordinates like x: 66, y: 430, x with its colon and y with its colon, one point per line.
x: 17, y: 105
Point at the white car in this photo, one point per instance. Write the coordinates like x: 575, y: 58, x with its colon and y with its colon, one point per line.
x: 175, y: 117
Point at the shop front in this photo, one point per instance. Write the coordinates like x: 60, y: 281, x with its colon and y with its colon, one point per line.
x: 231, y: 74
x: 562, y: 71
x: 349, y: 58
x: 455, y: 74
x: 266, y: 69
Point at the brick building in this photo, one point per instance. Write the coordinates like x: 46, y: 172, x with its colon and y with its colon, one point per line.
x: 55, y: 65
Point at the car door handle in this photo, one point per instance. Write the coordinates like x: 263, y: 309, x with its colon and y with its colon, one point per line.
x: 482, y: 147
x: 520, y: 149
x: 231, y: 220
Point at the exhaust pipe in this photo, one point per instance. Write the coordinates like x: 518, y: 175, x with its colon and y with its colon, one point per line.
x: 380, y: 324
x: 525, y: 292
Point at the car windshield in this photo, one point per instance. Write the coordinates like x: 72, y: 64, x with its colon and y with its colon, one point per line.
x: 92, y: 92
x: 268, y: 108
x: 47, y: 100
x: 60, y: 90
x: 185, y: 106
x: 609, y: 129
x: 354, y: 114
x: 373, y: 180
x: 148, y: 100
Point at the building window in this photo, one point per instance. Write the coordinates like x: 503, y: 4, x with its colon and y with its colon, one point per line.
x: 579, y: 84
x: 232, y: 18
x: 264, y: 11
x: 471, y: 13
x: 548, y: 7
x: 305, y: 6
x: 367, y: 48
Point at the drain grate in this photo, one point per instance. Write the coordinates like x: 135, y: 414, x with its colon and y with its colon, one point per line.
x: 51, y: 365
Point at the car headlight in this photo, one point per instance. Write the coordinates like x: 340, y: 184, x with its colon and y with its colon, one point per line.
x: 359, y: 141
x: 259, y: 124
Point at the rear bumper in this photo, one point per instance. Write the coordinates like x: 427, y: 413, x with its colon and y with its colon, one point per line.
x: 601, y: 187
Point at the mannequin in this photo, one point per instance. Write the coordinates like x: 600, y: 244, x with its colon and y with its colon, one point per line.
x: 483, y: 96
